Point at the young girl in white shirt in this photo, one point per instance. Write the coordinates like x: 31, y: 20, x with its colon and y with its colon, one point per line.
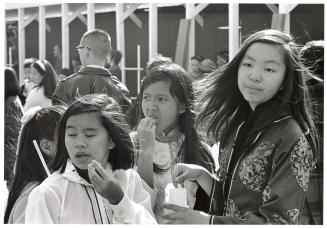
x: 45, y: 80
x: 93, y: 182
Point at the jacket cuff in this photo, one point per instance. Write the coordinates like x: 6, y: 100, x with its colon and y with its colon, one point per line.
x: 123, y: 208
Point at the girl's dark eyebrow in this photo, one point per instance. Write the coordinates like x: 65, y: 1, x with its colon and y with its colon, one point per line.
x: 85, y: 129
x: 159, y: 94
x: 269, y: 61
x: 90, y: 129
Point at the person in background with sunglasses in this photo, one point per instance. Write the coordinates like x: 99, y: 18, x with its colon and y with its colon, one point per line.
x: 92, y: 77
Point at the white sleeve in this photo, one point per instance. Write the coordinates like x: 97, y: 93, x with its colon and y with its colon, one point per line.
x: 135, y: 209
x: 30, y: 100
x: 43, y: 207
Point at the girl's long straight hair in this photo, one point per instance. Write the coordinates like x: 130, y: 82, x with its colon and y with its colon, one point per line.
x: 28, y: 167
x: 220, y: 100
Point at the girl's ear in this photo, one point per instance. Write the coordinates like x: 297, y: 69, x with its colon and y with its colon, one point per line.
x: 111, y: 143
x: 47, y: 147
x: 181, y: 108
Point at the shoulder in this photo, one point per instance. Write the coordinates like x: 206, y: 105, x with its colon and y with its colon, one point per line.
x: 18, y: 211
x: 285, y: 129
x: 130, y: 174
x: 51, y: 186
x: 133, y: 176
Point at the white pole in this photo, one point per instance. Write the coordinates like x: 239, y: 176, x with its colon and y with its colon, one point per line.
x: 233, y: 21
x: 191, y: 35
x: 21, y: 44
x: 120, y: 33
x: 138, y: 68
x: 153, y: 30
x: 90, y: 16
x: 65, y: 35
x: 42, y: 33
x: 10, y: 56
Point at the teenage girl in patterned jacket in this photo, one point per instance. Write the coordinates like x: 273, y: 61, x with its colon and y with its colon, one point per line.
x: 261, y: 117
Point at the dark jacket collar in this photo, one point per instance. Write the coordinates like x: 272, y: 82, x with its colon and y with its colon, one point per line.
x: 94, y: 70
x: 261, y: 118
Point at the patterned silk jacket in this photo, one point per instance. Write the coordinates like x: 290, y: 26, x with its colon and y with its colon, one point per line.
x: 270, y: 179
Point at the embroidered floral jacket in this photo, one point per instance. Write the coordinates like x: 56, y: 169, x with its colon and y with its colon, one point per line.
x: 270, y: 180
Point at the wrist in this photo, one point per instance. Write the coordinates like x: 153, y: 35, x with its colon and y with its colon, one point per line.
x: 147, y: 150
x: 114, y: 200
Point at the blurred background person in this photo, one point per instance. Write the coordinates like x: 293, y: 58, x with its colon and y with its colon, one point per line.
x: 28, y: 85
x: 65, y: 72
x: 195, y: 70
x: 114, y: 60
x: 222, y: 58
x: 206, y: 67
x: 45, y: 79
x: 13, y: 114
x: 75, y: 64
x: 57, y: 65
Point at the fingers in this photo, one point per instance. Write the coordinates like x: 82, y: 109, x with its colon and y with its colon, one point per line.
x: 99, y: 169
x: 94, y: 177
x: 173, y: 207
x: 179, y: 174
x: 147, y: 123
x: 180, y: 179
x: 170, y: 216
x: 175, y: 216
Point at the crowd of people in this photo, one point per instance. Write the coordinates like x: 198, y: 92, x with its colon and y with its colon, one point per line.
x: 242, y: 136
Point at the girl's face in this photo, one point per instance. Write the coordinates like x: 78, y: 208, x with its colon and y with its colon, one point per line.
x: 195, y: 65
x: 27, y: 72
x: 86, y: 139
x: 36, y: 77
x: 261, y: 73
x: 158, y: 103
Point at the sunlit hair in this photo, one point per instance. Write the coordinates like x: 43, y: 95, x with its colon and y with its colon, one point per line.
x: 157, y: 61
x: 98, y: 41
x: 220, y: 99
x: 113, y: 120
x: 182, y: 91
x: 28, y: 62
x: 28, y: 167
x: 50, y: 78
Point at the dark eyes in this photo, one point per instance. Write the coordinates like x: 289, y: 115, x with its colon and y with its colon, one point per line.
x: 74, y: 135
x: 160, y: 99
x: 247, y: 64
x: 270, y: 70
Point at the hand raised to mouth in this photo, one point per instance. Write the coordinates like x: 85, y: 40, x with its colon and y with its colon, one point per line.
x: 106, y: 185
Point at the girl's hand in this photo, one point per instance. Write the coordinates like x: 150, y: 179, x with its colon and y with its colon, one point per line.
x: 191, y: 172
x: 182, y: 215
x: 146, y: 132
x: 107, y: 186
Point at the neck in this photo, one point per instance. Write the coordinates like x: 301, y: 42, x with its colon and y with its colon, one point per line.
x: 169, y: 134
x: 95, y: 62
x: 83, y: 173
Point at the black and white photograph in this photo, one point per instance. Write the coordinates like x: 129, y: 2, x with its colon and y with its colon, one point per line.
x: 163, y: 112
